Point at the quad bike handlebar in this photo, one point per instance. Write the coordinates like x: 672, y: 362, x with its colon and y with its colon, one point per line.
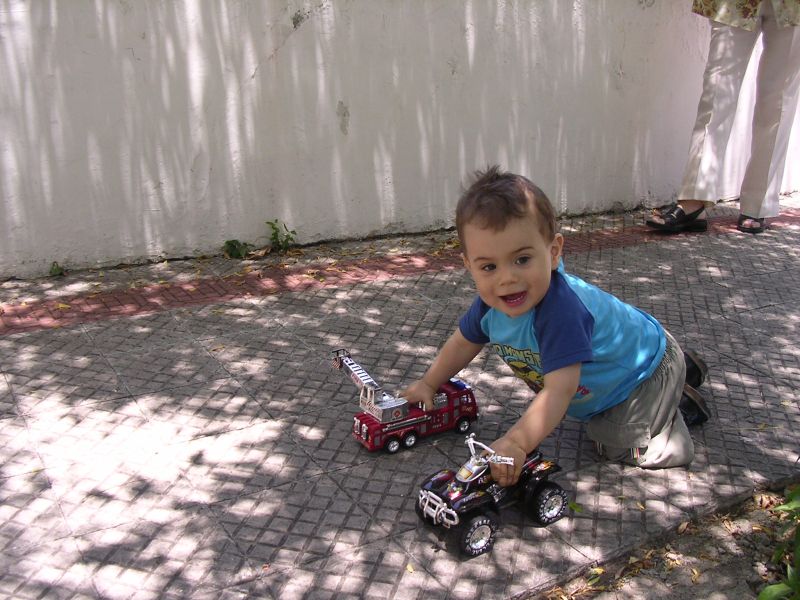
x: 481, y: 451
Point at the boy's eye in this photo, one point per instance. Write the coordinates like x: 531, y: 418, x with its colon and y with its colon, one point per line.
x: 523, y: 260
x: 489, y: 267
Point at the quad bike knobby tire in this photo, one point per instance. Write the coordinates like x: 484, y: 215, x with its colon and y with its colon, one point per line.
x: 476, y: 536
x: 549, y: 503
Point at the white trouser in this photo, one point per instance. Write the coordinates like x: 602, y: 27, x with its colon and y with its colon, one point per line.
x: 777, y: 84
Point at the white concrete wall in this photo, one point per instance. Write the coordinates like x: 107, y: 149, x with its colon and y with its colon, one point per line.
x: 134, y: 129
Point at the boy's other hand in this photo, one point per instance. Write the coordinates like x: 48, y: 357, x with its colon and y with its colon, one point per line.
x: 421, y: 392
x: 506, y: 475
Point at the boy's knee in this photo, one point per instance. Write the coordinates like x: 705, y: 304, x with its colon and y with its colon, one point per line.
x: 672, y: 448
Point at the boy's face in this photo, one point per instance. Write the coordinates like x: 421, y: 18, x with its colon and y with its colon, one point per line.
x: 511, y: 268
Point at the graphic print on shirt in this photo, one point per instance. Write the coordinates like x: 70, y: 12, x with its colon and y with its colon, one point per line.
x: 526, y: 364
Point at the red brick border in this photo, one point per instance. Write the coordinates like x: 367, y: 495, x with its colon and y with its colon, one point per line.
x: 272, y: 280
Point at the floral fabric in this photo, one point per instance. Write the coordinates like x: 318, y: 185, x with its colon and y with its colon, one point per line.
x: 744, y: 13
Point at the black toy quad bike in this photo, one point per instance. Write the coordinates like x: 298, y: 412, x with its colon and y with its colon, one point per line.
x: 469, y: 501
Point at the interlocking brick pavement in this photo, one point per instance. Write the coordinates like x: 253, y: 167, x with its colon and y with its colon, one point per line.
x: 176, y: 431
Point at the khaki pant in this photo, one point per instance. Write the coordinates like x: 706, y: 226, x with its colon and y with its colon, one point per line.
x: 777, y: 88
x: 648, y: 429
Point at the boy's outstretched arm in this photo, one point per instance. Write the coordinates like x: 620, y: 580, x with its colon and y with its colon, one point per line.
x: 541, y: 417
x: 456, y: 354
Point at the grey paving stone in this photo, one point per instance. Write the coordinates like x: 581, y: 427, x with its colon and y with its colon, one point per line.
x: 29, y: 514
x: 523, y: 557
x: 54, y: 569
x: 280, y: 372
x: 452, y: 289
x: 298, y: 522
x: 214, y: 320
x: 245, y: 461
x: 89, y: 506
x: 386, y: 486
x: 139, y: 332
x: 388, y: 300
x: 146, y: 369
x: 314, y: 304
x: 7, y: 403
x: 19, y: 454
x: 378, y: 570
x: 165, y: 557
x: 62, y: 364
x: 324, y: 435
x: 201, y: 409
x: 69, y: 436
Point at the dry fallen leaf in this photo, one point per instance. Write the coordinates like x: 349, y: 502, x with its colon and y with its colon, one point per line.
x: 729, y: 526
x: 683, y: 527
x: 695, y: 575
x: 641, y: 506
x: 62, y: 306
x: 409, y: 568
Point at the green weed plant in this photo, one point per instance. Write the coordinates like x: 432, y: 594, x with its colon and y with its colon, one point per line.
x: 281, y: 237
x: 787, y: 552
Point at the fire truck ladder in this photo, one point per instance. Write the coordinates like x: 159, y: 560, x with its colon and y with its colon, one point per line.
x: 363, y: 380
x: 372, y: 397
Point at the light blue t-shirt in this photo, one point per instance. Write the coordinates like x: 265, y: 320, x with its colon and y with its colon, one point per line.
x: 618, y: 345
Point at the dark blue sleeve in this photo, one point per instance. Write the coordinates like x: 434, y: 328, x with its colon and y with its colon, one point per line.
x: 563, y: 327
x: 470, y: 323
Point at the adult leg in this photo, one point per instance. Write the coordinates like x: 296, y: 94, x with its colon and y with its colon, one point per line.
x: 777, y: 85
x: 728, y: 55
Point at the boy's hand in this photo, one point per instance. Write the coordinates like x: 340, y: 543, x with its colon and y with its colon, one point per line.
x: 506, y: 475
x: 421, y: 392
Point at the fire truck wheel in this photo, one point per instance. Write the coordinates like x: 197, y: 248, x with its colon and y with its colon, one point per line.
x: 410, y: 439
x: 463, y: 425
x: 549, y: 503
x: 392, y: 445
x: 477, y: 535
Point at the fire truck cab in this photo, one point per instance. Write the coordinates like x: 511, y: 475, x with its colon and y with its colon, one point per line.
x: 390, y: 423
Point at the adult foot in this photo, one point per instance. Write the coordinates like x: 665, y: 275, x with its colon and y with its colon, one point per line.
x: 750, y: 224
x: 679, y: 217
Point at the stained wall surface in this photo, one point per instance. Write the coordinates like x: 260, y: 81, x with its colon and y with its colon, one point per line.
x: 160, y: 128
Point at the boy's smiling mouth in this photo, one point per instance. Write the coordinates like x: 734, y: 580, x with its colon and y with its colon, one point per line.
x: 514, y: 299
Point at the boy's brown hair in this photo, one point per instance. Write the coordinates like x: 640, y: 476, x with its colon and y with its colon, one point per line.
x: 495, y: 197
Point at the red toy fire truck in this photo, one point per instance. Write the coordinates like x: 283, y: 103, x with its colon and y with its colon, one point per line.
x: 390, y: 423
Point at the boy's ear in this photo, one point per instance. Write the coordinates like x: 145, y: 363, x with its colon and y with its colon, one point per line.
x: 465, y: 260
x: 556, y: 247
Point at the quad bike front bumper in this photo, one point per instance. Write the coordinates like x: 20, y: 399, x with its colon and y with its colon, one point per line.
x: 434, y: 508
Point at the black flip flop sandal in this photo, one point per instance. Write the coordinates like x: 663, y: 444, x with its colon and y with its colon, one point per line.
x: 752, y: 228
x: 677, y: 220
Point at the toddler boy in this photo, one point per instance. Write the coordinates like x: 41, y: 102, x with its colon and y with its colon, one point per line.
x: 584, y: 352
